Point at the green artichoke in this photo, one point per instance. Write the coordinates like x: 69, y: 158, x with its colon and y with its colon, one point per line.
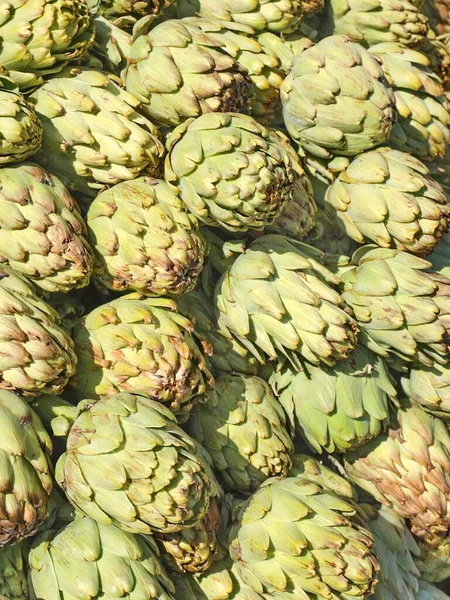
x: 93, y: 136
x: 197, y: 75
x: 422, y: 127
x: 264, y: 68
x: 277, y: 299
x: 125, y: 13
x: 21, y: 130
x: 429, y: 387
x: 224, y: 353
x: 434, y: 562
x: 42, y: 234
x: 284, y: 49
x: 336, y: 100
x: 396, y: 550
x: 339, y: 408
x: 408, y: 469
x: 231, y: 171
x: 86, y: 559
x: 192, y: 550
x: 140, y: 345
x: 279, y: 16
x: 402, y: 311
x: 144, y: 239
x: 428, y: 591
x: 370, y: 23
x: 38, y: 38
x: 243, y: 428
x: 129, y: 464
x: 37, y: 355
x: 25, y: 472
x: 299, y: 537
x: 13, y: 577
x: 440, y: 258
x: 385, y: 196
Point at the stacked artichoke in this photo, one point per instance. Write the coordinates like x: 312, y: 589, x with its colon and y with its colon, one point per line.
x: 224, y: 300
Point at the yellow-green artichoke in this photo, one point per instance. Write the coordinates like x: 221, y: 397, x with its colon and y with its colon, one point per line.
x: 93, y: 136
x: 277, y: 299
x: 125, y: 13
x: 434, y: 561
x: 440, y: 258
x: 129, y: 464
x: 13, y: 575
x: 42, y: 234
x: 386, y: 197
x: 336, y: 100
x: 429, y: 387
x: 144, y: 239
x: 231, y: 171
x: 39, y: 37
x: 143, y: 346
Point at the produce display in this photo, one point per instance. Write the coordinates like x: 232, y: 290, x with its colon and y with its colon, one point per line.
x: 225, y: 300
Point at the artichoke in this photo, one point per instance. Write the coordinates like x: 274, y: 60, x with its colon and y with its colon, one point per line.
x: 144, y: 239
x: 38, y: 38
x: 385, y: 196
x: 21, y: 130
x: 279, y: 16
x: 277, y: 299
x: 440, y: 258
x: 197, y: 75
x: 370, y: 23
x: 86, y: 559
x: 429, y: 387
x: 142, y: 346
x: 336, y: 100
x: 285, y: 49
x: 328, y: 236
x: 422, y: 127
x: 408, y: 469
x: 25, y: 473
x: 42, y: 234
x: 129, y: 464
x: 396, y: 550
x: 125, y: 13
x: 243, y: 428
x: 37, y: 356
x: 93, y: 136
x: 231, y: 171
x: 339, y: 408
x: 192, y: 550
x: 310, y: 539
x: 402, y: 311
x: 13, y: 577
x: 434, y: 562
x: 224, y: 353
x: 427, y: 591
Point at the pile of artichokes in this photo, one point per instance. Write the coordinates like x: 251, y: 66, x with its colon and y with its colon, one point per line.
x: 224, y: 299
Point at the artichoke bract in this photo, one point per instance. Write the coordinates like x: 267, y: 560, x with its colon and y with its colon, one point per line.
x: 243, y: 428
x: 198, y: 76
x: 129, y: 464
x: 125, y: 13
x: 336, y: 100
x: 434, y: 562
x: 25, y: 472
x: 277, y: 299
x: 338, y: 408
x: 386, y: 197
x: 428, y: 591
x: 440, y: 258
x: 310, y: 539
x: 280, y: 16
x: 38, y: 38
x: 402, y: 310
x: 144, y: 239
x: 93, y: 136
x: 422, y: 127
x: 20, y: 129
x: 231, y: 171
x: 13, y: 576
x: 408, y: 469
x: 140, y: 345
x: 37, y: 355
x: 370, y: 23
x: 42, y: 234
x: 86, y: 559
x: 429, y: 387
